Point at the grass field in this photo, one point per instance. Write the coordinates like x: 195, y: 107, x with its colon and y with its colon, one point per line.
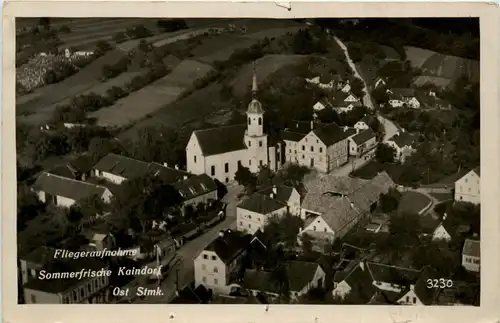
x: 265, y: 66
x: 155, y: 96
x: 38, y: 106
x: 193, y: 107
x: 442, y: 196
x: 413, y: 202
x: 223, y: 54
x: 371, y: 169
x: 442, y: 66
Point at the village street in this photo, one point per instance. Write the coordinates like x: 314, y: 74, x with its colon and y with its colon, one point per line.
x: 183, y: 269
x: 389, y: 127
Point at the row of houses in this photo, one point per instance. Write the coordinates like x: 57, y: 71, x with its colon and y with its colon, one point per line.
x: 67, y: 184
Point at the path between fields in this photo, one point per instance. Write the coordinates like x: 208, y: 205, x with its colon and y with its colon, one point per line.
x: 389, y: 127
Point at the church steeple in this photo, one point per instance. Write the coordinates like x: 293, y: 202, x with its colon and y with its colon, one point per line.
x: 254, y: 82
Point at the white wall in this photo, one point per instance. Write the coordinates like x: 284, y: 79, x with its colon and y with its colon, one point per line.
x: 193, y: 149
x: 471, y: 263
x: 249, y: 221
x: 64, y: 201
x: 291, y: 151
x: 110, y: 177
x: 441, y: 234
x: 360, y: 125
x: 294, y: 203
x: 204, y: 272
x: 342, y: 290
x: 312, y: 148
x: 219, y: 161
x: 468, y: 188
x: 256, y: 152
x: 410, y: 298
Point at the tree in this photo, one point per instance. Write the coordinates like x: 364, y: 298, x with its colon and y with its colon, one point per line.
x: 102, y: 47
x: 307, y: 243
x: 380, y: 96
x: 385, y: 153
x: 264, y: 177
x: 246, y: 178
x: 120, y: 37
x: 302, y: 42
x: 355, y: 52
x: 90, y: 208
x: 44, y: 22
x: 405, y: 230
x: 169, y: 25
x: 357, y: 87
x: 390, y: 201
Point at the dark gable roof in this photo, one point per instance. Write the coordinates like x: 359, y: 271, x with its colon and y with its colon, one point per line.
x: 229, y: 245
x: 392, y: 274
x: 477, y: 170
x: 363, y: 136
x: 262, y: 204
x: 40, y: 256
x: 299, y: 130
x: 472, y: 248
x: 283, y: 192
x: 122, y: 166
x: 166, y: 174
x: 195, y: 186
x: 55, y: 286
x: 331, y: 134
x: 360, y: 281
x: 82, y: 163
x: 221, y: 140
x: 403, y: 139
x: 64, y: 171
x: 70, y: 188
x: 426, y: 295
x: 260, y: 280
x: 300, y: 273
x: 403, y: 92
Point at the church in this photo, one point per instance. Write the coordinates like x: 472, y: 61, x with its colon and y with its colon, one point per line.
x: 218, y: 152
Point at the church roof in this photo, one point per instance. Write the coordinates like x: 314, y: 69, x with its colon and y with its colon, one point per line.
x: 219, y: 140
x: 255, y: 107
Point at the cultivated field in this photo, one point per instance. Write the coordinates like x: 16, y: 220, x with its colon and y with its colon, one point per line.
x: 36, y: 107
x: 223, y: 46
x: 152, y: 97
x: 265, y: 66
x: 442, y: 66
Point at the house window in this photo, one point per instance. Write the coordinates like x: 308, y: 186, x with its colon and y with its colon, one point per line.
x: 466, y: 180
x: 204, y: 279
x: 250, y: 225
x: 324, y: 229
x: 249, y: 121
x: 227, y: 180
x: 205, y: 257
x: 250, y: 217
x: 250, y: 162
x: 303, y: 157
x: 290, y: 151
x: 317, y: 141
x: 303, y: 147
x: 212, y: 170
x: 216, y: 281
x: 241, y: 222
x: 260, y: 121
x: 260, y: 143
x: 239, y: 163
x: 203, y: 267
x: 414, y: 300
x: 216, y: 270
x: 407, y: 299
x: 213, y: 257
x: 320, y: 149
x: 226, y: 167
x: 261, y: 162
x: 33, y: 299
x: 312, y: 148
x: 249, y: 144
x: 314, y: 228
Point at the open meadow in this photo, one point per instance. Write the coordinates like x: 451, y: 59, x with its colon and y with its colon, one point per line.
x: 152, y: 97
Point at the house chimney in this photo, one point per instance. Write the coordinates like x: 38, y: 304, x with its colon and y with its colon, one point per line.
x: 185, y: 177
x: 403, y: 130
x: 444, y: 216
x: 176, y: 167
x: 345, y: 128
x: 165, y: 164
x: 352, y: 205
x: 275, y: 190
x: 221, y: 233
x: 271, y: 195
x: 362, y: 265
x: 312, y: 125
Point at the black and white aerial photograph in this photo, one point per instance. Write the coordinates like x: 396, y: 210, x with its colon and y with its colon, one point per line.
x: 248, y: 161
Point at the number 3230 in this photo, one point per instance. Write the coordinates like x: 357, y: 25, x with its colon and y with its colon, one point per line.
x: 439, y: 283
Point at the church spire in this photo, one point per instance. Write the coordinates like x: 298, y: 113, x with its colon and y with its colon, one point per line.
x: 254, y: 82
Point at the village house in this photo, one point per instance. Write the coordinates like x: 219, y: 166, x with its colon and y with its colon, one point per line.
x: 99, y: 240
x: 219, y: 152
x: 79, y: 168
x: 302, y: 277
x: 322, y: 104
x: 65, y: 192
x: 32, y: 263
x: 88, y: 290
x: 471, y: 255
x: 354, y: 278
x: 168, y: 174
x: 333, y: 205
x: 468, y: 187
x: 401, y: 97
x: 403, y: 142
x: 196, y: 189
x: 363, y: 123
x: 379, y: 82
x: 117, y: 169
x: 335, y: 82
x: 285, y: 194
x: 258, y: 210
x: 220, y: 261
x: 362, y: 142
x: 449, y: 228
x: 321, y: 146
